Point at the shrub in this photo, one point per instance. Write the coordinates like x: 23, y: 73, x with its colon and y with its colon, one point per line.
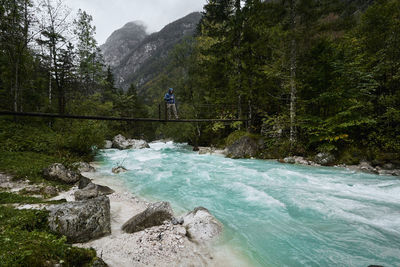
x: 236, y: 135
x: 84, y: 136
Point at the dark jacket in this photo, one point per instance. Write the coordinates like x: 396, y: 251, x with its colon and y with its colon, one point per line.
x: 169, y: 97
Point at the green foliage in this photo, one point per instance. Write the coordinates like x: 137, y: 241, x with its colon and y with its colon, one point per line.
x: 347, y: 75
x: 327, y: 147
x: 351, y: 155
x: 11, y: 198
x: 84, y: 137
x: 180, y: 132
x: 8, y: 198
x: 25, y: 240
x: 26, y: 165
x: 26, y: 149
x: 275, y: 148
x: 77, y: 137
x: 236, y: 135
x: 28, y: 220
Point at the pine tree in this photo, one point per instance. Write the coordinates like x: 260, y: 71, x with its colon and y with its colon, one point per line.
x: 15, y: 21
x: 90, y: 60
x: 54, y: 30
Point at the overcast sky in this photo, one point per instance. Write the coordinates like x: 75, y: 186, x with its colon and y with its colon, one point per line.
x: 110, y: 15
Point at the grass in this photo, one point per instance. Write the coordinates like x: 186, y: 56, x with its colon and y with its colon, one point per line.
x: 12, y: 198
x: 25, y: 240
x: 30, y: 165
x: 25, y: 150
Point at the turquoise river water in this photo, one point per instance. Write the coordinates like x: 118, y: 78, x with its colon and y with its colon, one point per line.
x: 274, y: 214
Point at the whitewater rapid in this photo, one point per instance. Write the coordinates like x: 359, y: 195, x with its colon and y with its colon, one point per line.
x: 274, y: 214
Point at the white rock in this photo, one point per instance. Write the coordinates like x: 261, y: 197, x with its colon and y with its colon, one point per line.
x: 201, y: 225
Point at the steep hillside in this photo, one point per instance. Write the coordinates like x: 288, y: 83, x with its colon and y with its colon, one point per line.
x: 122, y: 42
x: 138, y: 63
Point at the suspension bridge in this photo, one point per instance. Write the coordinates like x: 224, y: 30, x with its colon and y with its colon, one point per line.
x: 105, y: 118
x: 163, y: 119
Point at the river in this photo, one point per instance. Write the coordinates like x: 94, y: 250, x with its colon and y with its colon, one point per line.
x: 274, y: 214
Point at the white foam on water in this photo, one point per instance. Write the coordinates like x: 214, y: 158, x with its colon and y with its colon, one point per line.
x: 313, y: 206
x: 159, y: 145
x: 145, y: 171
x: 119, y: 156
x: 132, y: 166
x: 163, y: 175
x: 255, y: 196
x: 204, y: 175
x: 146, y: 156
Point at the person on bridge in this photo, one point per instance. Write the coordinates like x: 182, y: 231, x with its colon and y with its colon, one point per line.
x: 170, y: 100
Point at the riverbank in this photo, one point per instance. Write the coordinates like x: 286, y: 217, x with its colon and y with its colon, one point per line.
x: 25, y: 236
x: 164, y: 245
x: 275, y: 214
x: 363, y: 166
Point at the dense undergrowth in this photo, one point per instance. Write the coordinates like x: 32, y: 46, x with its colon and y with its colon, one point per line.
x: 26, y: 148
x: 25, y: 240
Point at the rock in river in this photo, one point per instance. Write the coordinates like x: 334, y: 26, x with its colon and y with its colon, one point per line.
x: 324, y: 158
x: 154, y: 215
x: 119, y: 169
x: 120, y: 142
x: 290, y: 160
x: 81, y: 221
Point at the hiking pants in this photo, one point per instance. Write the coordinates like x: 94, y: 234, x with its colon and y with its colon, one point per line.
x: 172, y: 108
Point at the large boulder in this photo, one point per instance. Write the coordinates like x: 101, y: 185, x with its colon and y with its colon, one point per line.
x: 289, y: 160
x: 324, y: 158
x: 201, y: 225
x: 92, y: 191
x: 83, y: 182
x: 154, y: 215
x: 81, y: 221
x: 365, y: 166
x: 60, y: 173
x: 297, y: 160
x: 50, y: 190
x: 138, y: 144
x: 120, y: 142
x: 395, y: 172
x: 108, y: 144
x: 83, y: 167
x: 244, y: 147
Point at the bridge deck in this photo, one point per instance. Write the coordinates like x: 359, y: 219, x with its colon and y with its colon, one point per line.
x: 105, y: 118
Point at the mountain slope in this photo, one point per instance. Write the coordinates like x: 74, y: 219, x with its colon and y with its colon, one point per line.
x: 139, y: 63
x: 122, y: 42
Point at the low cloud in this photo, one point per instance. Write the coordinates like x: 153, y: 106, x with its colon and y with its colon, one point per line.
x: 155, y: 14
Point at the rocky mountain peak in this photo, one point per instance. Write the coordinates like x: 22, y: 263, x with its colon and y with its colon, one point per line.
x: 122, y: 41
x: 137, y: 57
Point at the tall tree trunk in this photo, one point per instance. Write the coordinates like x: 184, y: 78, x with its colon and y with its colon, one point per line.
x: 293, y: 68
x: 237, y: 42
x: 16, y: 85
x: 50, y: 80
